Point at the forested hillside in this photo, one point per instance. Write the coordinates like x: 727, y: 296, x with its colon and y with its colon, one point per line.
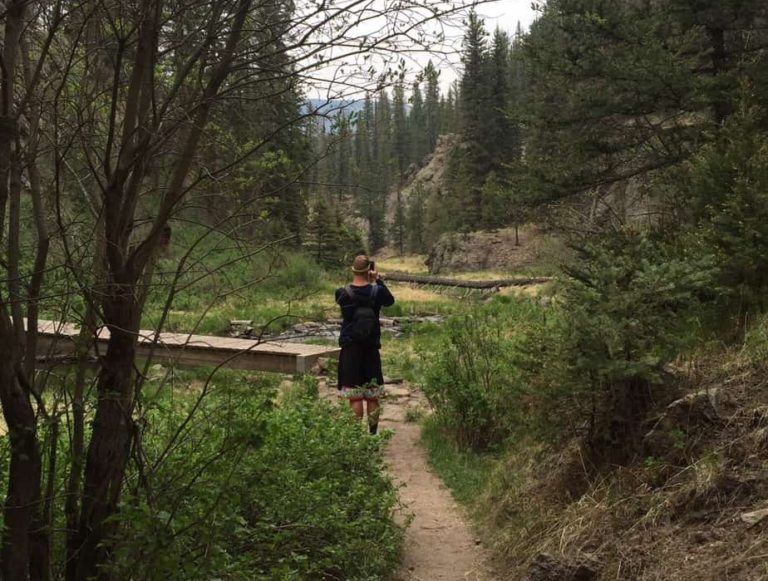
x: 372, y: 152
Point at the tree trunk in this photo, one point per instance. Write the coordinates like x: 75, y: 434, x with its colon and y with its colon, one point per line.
x: 77, y: 452
x: 459, y: 283
x: 721, y: 107
x: 23, y: 495
x: 110, y: 443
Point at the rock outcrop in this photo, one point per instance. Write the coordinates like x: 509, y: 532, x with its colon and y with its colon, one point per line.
x: 430, y: 174
x: 493, y: 250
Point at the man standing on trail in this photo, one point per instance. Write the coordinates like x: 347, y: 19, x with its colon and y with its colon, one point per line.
x: 360, y: 376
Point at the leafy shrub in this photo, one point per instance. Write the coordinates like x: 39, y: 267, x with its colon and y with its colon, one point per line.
x: 301, y: 388
x: 250, y: 491
x: 474, y: 380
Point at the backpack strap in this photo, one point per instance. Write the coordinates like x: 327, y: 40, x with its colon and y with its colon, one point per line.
x: 357, y: 300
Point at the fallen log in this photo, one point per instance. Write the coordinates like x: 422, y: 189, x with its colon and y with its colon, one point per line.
x: 473, y: 284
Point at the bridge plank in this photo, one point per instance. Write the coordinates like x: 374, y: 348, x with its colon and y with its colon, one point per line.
x: 197, y: 350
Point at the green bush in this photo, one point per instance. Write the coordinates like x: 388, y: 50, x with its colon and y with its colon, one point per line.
x: 474, y: 378
x: 585, y: 365
x: 250, y: 491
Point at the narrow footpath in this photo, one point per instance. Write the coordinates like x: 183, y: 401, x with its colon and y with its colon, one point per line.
x: 439, y: 544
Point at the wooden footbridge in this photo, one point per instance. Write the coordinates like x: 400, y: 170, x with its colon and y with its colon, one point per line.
x: 57, y: 340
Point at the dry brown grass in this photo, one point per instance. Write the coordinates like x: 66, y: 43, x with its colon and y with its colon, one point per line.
x: 482, y: 275
x: 531, y: 290
x: 410, y: 264
x: 407, y: 292
x: 656, y: 519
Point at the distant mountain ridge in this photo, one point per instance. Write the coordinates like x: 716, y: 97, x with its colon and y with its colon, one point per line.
x: 326, y: 110
x: 335, y: 106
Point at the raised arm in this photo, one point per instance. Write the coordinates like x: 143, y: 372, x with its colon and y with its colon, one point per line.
x: 383, y: 295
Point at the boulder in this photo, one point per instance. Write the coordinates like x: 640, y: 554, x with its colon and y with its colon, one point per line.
x: 701, y: 407
x: 755, y: 517
x: 240, y: 327
x: 685, y: 416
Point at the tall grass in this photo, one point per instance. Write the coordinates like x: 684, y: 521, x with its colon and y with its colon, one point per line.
x: 220, y: 281
x: 464, y: 471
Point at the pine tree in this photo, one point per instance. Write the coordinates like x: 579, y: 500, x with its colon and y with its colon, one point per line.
x: 383, y: 151
x: 414, y: 220
x: 417, y: 126
x: 475, y: 97
x: 400, y: 133
x: 367, y: 173
x: 496, y: 202
x: 470, y: 166
x: 448, y: 112
x: 329, y: 240
x: 667, y: 76
x: 382, y: 172
x: 349, y: 241
x: 399, y: 224
x: 432, y: 117
x: 501, y: 138
x: 323, y: 238
x: 517, y: 93
x: 363, y: 180
x: 342, y: 132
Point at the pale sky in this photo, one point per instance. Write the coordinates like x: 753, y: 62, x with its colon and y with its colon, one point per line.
x: 504, y: 14
x: 345, y: 78
x: 507, y: 13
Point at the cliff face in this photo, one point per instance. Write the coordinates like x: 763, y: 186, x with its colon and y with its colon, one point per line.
x: 430, y: 174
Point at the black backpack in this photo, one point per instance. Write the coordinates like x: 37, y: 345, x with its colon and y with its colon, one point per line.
x: 365, y: 319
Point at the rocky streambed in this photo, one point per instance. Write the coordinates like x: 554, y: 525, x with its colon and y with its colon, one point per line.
x: 328, y: 329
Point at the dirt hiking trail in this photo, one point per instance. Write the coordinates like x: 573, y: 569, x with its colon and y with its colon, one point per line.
x: 439, y: 543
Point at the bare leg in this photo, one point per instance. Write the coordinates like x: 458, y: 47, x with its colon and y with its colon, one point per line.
x: 357, y: 407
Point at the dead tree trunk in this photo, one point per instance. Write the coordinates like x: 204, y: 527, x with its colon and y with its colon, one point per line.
x: 471, y: 284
